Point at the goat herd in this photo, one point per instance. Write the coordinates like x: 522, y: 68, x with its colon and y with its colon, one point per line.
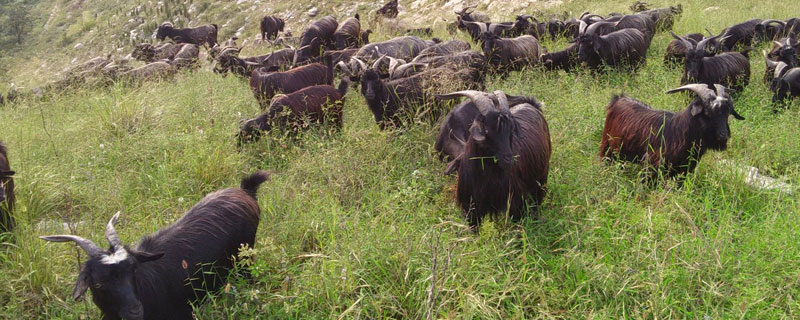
x: 498, y: 145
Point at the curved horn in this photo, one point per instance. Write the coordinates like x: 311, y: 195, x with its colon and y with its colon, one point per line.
x: 582, y: 27
x: 590, y: 16
x: 592, y: 28
x: 403, y: 67
x: 344, y: 68
x: 88, y: 246
x: 771, y: 21
x: 493, y: 26
x: 701, y: 90
x: 480, y: 99
x: 721, y: 92
x: 480, y: 25
x: 502, y: 99
x: 111, y: 233
x: 378, y: 62
x: 702, y: 44
x: 770, y: 63
x: 779, y: 67
x: 683, y: 40
x: 360, y: 63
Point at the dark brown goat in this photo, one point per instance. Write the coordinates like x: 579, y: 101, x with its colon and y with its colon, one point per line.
x: 299, y: 109
x: 674, y: 142
x: 148, y: 53
x: 676, y: 50
x: 741, y: 34
x: 348, y: 35
x: 168, y: 271
x: 202, y: 35
x: 266, y: 85
x: 509, y: 53
x: 388, y: 10
x: 730, y: 69
x: 270, y: 26
x: 664, y: 18
x: 244, y: 67
x: 505, y: 161
x: 314, y: 40
x: 7, y: 198
x: 623, y: 47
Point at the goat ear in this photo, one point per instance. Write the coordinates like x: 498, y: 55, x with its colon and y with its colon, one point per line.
x: 143, y: 257
x: 476, y: 131
x: 81, y: 285
x: 696, y: 109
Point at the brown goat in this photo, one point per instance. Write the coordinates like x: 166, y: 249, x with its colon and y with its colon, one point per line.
x: 265, y: 85
x: 666, y: 140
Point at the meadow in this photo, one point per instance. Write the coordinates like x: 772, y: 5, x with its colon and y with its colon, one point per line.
x: 361, y: 223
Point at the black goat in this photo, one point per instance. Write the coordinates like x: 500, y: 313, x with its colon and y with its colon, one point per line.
x: 676, y: 49
x: 392, y: 102
x: 664, y: 18
x: 266, y: 85
x: 348, y: 35
x: 565, y: 59
x: 509, y: 53
x: 6, y: 191
x: 202, y: 35
x: 299, y: 109
x: 167, y: 271
x: 442, y: 49
x: 626, y: 46
x: 318, y: 37
x: 666, y: 140
x: 388, y: 10
x: 741, y: 34
x: 404, y: 48
x: 730, y: 69
x: 786, y: 50
x: 270, y: 26
x: 505, y: 160
x: 785, y: 83
x: 244, y: 67
x: 148, y: 53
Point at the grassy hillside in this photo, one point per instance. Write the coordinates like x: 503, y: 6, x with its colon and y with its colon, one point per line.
x: 360, y: 223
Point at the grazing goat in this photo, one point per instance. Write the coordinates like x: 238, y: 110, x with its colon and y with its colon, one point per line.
x: 664, y: 18
x: 442, y: 49
x: 785, y: 83
x: 148, y: 53
x: 565, y: 59
x: 666, y: 140
x: 202, y: 35
x: 741, y: 34
x: 404, y: 48
x: 348, y: 35
x: 676, y: 50
x: 626, y: 46
x: 505, y: 160
x: 270, y: 26
x: 265, y: 85
x: 244, y: 67
x: 161, y: 276
x: 509, y: 53
x: 388, y: 10
x: 318, y: 37
x: 333, y: 57
x: 299, y: 109
x: 730, y: 69
x: 393, y: 101
x: 786, y: 50
x: 6, y: 191
x: 150, y: 71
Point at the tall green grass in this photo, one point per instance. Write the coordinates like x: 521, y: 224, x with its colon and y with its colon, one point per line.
x: 361, y: 223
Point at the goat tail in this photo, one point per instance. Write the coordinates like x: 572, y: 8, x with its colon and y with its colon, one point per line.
x: 343, y: 85
x: 251, y: 183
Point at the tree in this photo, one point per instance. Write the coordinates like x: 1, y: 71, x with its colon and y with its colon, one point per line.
x: 17, y: 20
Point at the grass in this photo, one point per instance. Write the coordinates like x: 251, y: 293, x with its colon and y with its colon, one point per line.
x: 360, y: 223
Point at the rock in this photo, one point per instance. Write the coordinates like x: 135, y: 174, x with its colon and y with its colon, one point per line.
x: 710, y: 9
x: 78, y: 46
x: 313, y: 12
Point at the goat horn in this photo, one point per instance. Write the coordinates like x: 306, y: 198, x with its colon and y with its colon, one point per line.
x: 493, y: 26
x: 582, y: 27
x: 770, y: 63
x: 88, y: 246
x: 702, y: 44
x: 771, y: 21
x: 722, y: 91
x: 682, y: 39
x: 592, y: 28
x: 111, y: 233
x: 502, y: 99
x: 701, y: 90
x: 378, y: 62
x: 779, y: 66
x: 345, y: 68
x: 360, y: 63
x: 480, y: 99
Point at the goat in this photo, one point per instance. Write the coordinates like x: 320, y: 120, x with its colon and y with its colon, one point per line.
x: 404, y: 48
x: 454, y: 131
x: 664, y: 18
x: 741, y: 34
x: 155, y: 70
x: 348, y: 35
x: 392, y: 101
x: 265, y: 85
x: 315, y: 104
x: 785, y: 83
x: 7, y: 197
x: 626, y: 46
x: 787, y: 51
x: 333, y: 57
x: 674, y: 142
x: 277, y: 60
x: 676, y: 49
x: 505, y: 161
x: 509, y: 53
x: 148, y: 53
x: 202, y: 35
x: 270, y: 26
x: 161, y: 276
x: 317, y: 37
x: 442, y: 49
x: 565, y: 59
x: 730, y: 69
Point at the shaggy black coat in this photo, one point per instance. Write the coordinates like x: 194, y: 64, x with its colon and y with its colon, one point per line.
x: 266, y: 85
x: 786, y: 85
x: 731, y: 69
x: 741, y: 34
x: 675, y: 54
x: 565, y: 59
x: 270, y: 26
x: 202, y: 35
x: 623, y: 47
x: 348, y: 35
x: 511, y: 53
x: 7, y: 197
